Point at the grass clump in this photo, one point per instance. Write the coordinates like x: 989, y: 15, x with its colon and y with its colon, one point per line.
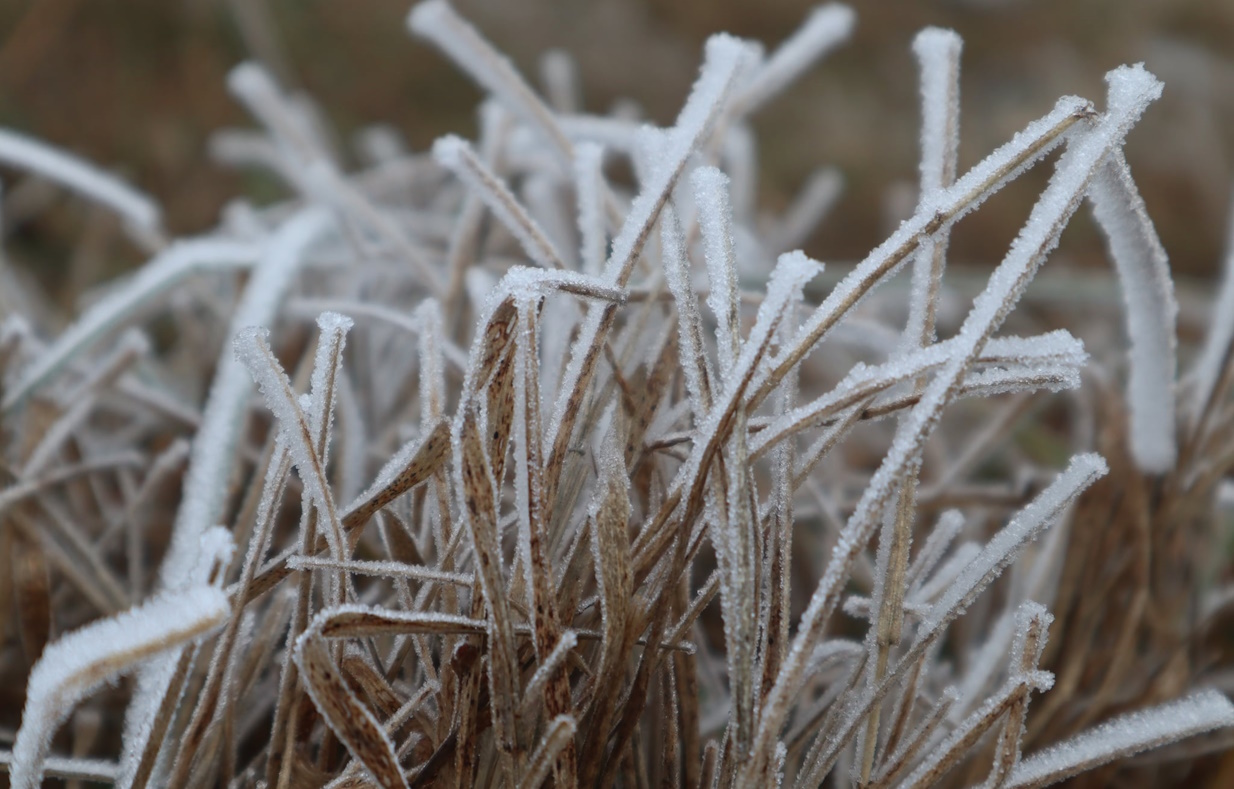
x: 586, y: 480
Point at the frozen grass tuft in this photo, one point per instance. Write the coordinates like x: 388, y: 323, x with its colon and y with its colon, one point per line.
x: 585, y: 479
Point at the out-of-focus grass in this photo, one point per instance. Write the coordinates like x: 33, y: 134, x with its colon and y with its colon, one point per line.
x: 139, y: 86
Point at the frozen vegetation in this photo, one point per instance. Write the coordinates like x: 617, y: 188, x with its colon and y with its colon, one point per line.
x: 584, y: 477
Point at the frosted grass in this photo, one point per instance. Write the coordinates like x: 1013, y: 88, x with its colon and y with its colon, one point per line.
x: 529, y: 601
x: 1144, y: 274
x: 119, y: 307
x: 589, y: 184
x: 456, y: 155
x: 722, y: 63
x: 82, y: 661
x: 138, y: 210
x: 1131, y: 89
x: 715, y: 219
x: 1002, y: 549
x: 303, y: 433
x: 212, y: 453
x: 1124, y: 736
x: 1022, y: 151
x: 824, y: 29
x: 437, y: 21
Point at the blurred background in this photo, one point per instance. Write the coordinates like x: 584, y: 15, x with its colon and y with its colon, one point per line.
x: 138, y: 86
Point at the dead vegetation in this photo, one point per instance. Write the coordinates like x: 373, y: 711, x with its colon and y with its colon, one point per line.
x: 576, y: 478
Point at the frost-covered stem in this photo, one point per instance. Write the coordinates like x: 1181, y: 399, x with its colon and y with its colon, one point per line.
x: 722, y: 65
x: 1053, y: 350
x: 437, y: 21
x: 1151, y: 311
x: 475, y: 484
x: 988, y: 176
x: 533, y: 530
x: 457, y: 156
x: 889, y: 597
x: 978, y: 573
x: 301, y: 432
x: 560, y: 79
x: 1032, y: 630
x: 209, y: 697
x: 213, y: 451
x: 792, y: 272
x: 85, y: 659
x: 901, y: 758
x: 140, y: 213
x: 348, y: 717
x: 739, y: 588
x: 689, y: 323
x: 590, y: 187
x: 824, y: 29
x: 959, y: 742
x: 1131, y: 89
x: 159, y: 275
x: 715, y: 220
x: 303, y: 156
x: 558, y: 738
x: 938, y: 54
x: 1124, y: 736
x: 811, y: 205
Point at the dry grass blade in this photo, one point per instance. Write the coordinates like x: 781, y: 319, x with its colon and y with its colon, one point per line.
x: 739, y: 590
x: 411, y: 466
x: 457, y: 156
x: 387, y: 569
x: 1120, y: 737
x: 533, y: 526
x: 901, y: 759
x: 610, y: 546
x: 348, y: 717
x: 438, y: 22
x: 475, y: 483
x: 83, y: 660
x: 31, y: 585
x: 158, y: 276
x: 1032, y: 626
x: 549, y: 667
x: 303, y: 438
x: 357, y: 621
x: 960, y: 741
x: 559, y: 735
